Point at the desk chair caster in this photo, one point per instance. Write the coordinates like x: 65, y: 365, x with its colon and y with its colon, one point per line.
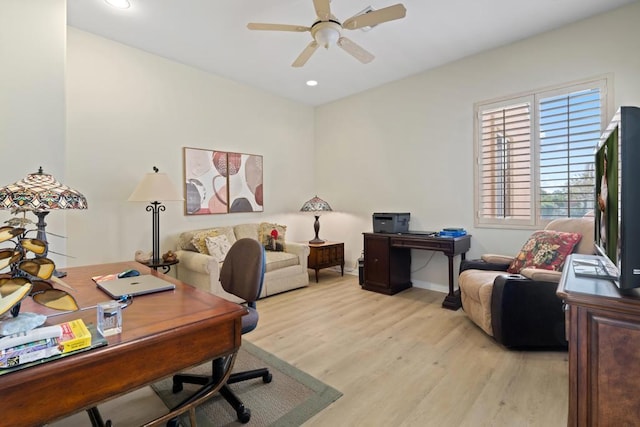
x: 243, y: 414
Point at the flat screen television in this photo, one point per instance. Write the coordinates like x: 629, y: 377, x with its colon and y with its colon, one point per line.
x: 617, y: 192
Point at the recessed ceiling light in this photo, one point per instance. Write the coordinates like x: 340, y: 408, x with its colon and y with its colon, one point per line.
x: 120, y: 4
x: 312, y: 83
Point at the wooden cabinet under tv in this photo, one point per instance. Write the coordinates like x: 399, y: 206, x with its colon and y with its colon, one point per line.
x: 604, y: 350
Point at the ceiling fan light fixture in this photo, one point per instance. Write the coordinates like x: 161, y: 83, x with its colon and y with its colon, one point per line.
x: 327, y: 36
x: 327, y: 30
x: 120, y: 4
x: 326, y: 33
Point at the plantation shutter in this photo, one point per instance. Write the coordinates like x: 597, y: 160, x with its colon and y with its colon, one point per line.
x: 569, y: 131
x: 535, y: 154
x: 505, y: 164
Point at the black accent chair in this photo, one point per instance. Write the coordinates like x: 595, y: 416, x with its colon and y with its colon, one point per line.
x: 525, y: 313
x: 520, y: 311
x: 242, y: 275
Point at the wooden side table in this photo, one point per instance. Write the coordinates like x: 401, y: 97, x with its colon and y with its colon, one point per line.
x: 324, y: 255
x: 164, y: 265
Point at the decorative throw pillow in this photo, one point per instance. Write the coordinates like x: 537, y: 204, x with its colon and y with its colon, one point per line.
x: 545, y: 249
x: 272, y: 236
x: 274, y: 245
x: 184, y: 241
x: 218, y: 246
x: 199, y: 239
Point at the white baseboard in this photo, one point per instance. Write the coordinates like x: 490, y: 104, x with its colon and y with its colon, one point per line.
x: 417, y: 283
x: 351, y: 271
x: 431, y: 286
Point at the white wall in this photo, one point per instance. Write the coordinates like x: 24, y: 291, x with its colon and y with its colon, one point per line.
x: 408, y: 146
x: 32, y: 98
x: 128, y: 110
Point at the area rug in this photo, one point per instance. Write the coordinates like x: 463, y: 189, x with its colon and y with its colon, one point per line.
x: 289, y: 400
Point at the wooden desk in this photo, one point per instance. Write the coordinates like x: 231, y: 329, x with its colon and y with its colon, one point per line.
x: 163, y: 333
x: 387, y: 261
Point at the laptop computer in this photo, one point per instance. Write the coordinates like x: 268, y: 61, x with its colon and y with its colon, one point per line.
x: 134, y: 286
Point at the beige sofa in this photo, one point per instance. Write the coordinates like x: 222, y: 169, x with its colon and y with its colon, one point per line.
x: 285, y: 270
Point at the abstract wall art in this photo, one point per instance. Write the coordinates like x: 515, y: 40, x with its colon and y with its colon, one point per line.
x: 222, y: 182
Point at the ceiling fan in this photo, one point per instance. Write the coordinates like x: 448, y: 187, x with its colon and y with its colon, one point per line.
x: 327, y: 30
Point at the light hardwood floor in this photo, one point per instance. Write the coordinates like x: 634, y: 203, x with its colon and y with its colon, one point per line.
x: 400, y: 360
x: 403, y: 360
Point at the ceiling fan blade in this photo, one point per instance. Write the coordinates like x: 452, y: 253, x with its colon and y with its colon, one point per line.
x: 305, y: 55
x: 355, y: 50
x: 323, y: 9
x: 375, y: 17
x: 277, y: 27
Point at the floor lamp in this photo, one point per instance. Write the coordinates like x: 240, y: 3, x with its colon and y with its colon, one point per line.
x: 40, y: 193
x: 155, y: 188
x: 316, y: 205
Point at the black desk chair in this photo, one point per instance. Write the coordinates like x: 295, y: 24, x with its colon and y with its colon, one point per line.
x: 242, y: 274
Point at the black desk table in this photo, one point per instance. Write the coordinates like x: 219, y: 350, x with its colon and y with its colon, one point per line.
x: 387, y: 261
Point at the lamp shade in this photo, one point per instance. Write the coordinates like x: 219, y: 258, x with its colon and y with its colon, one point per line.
x: 40, y: 192
x: 315, y: 204
x: 155, y: 187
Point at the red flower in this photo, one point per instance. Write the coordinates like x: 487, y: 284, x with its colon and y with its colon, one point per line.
x: 274, y: 233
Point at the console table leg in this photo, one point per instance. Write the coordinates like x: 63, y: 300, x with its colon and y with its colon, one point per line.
x: 452, y: 300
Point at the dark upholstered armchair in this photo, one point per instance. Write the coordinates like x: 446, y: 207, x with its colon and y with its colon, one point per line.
x: 520, y: 310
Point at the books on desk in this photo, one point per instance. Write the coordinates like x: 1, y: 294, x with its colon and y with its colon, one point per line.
x: 75, y: 336
x: 452, y: 232
x: 29, y: 352
x: 42, y: 343
x: 105, y: 278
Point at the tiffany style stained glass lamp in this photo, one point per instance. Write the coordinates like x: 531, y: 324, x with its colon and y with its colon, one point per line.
x: 316, y: 205
x: 40, y: 193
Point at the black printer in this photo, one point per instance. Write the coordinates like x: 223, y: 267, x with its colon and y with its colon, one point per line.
x: 391, y: 222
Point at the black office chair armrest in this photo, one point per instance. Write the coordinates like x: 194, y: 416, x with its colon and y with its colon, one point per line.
x: 527, y: 313
x: 478, y: 264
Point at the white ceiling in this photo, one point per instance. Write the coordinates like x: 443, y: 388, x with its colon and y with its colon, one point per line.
x: 211, y: 35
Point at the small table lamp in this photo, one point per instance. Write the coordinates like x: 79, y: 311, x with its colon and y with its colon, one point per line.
x: 155, y: 188
x: 315, y: 205
x: 40, y: 192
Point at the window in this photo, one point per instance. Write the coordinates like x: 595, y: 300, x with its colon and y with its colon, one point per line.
x: 534, y: 155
